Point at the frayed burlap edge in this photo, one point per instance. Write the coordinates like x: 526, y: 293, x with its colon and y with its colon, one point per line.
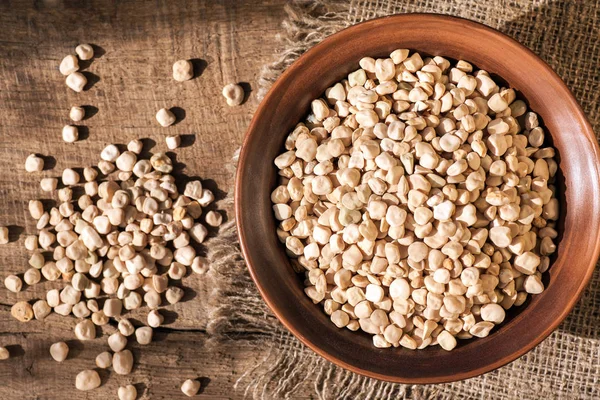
x: 308, y: 23
x: 237, y: 306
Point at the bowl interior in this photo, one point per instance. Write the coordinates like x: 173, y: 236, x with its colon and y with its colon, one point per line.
x: 287, y: 103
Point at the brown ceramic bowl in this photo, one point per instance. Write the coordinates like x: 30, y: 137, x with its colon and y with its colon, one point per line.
x: 288, y: 102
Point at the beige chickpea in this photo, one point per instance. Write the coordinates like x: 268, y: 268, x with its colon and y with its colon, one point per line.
x: 234, y: 94
x: 84, y: 51
x: 122, y: 362
x: 165, y: 117
x: 143, y: 335
x: 190, y: 387
x: 59, y: 351
x: 76, y: 81
x: 70, y: 133
x: 87, y: 380
x: 77, y: 114
x: 183, y: 70
x: 128, y: 392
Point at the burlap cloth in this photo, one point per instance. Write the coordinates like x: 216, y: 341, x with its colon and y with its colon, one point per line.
x: 566, y: 34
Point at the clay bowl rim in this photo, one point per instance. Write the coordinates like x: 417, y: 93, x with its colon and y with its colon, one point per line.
x: 254, y: 132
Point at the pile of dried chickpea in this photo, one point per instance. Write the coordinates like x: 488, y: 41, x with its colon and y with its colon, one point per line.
x: 120, y: 245
x: 418, y: 200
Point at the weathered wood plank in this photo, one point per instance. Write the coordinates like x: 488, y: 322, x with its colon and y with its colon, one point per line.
x: 160, y: 367
x: 137, y: 43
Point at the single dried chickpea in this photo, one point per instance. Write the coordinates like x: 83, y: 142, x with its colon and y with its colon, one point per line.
x: 155, y: 319
x: 70, y: 134
x: 481, y: 329
x: 13, y: 283
x: 85, y: 330
x: 533, y: 284
x: 527, y: 263
x: 36, y: 209
x: 48, y: 184
x: 104, y: 360
x: 53, y: 297
x: 165, y: 117
x: 177, y: 271
x: 4, y: 353
x: 183, y: 70
x: 84, y: 52
x: 70, y: 177
x: 152, y: 299
x: 234, y: 94
x: 126, y: 327
x: 59, y: 351
x: 77, y: 113
x: 41, y: 309
x: 76, y: 81
x: 22, y: 311
x: 4, y: 235
x: 122, y: 362
x: 174, y: 294
x: 87, y: 380
x: 492, y: 313
x: 112, y: 307
x: 32, y: 276
x: 68, y: 65
x: 117, y: 342
x: 126, y: 161
x: 128, y: 392
x: 135, y: 146
x: 110, y: 153
x: 446, y: 340
x: 34, y: 163
x: 143, y: 335
x: 190, y: 387
x: 90, y: 174
x: 81, y: 309
x: 340, y: 318
x: 31, y: 241
x: 213, y: 219
x: 161, y: 162
x: 173, y: 141
x: 200, y: 265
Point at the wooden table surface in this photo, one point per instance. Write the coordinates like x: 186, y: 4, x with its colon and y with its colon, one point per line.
x: 137, y: 43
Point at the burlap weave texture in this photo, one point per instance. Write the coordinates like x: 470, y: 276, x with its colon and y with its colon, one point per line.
x: 566, y: 34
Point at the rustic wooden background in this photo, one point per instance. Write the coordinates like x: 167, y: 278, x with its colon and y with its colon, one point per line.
x: 137, y: 42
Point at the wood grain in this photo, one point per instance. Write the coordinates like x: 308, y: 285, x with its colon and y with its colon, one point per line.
x: 137, y: 43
